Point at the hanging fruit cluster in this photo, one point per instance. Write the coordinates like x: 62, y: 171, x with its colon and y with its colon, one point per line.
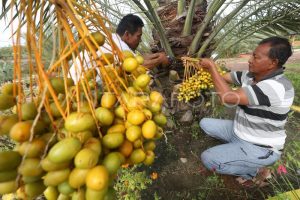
x: 191, y: 88
x: 196, y: 80
x: 73, y: 136
x: 71, y: 158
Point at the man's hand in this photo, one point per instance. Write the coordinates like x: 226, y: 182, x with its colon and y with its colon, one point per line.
x: 207, y: 63
x: 151, y: 56
x: 163, y: 59
x: 226, y: 94
x: 156, y: 59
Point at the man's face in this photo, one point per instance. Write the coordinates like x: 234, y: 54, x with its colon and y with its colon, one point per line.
x: 259, y: 62
x: 133, y: 40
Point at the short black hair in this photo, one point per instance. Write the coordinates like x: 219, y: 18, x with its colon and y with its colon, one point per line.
x: 129, y: 23
x: 281, y: 49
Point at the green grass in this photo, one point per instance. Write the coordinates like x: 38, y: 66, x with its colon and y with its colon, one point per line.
x: 296, y: 47
x: 293, y: 67
x: 295, y: 78
x: 293, y: 74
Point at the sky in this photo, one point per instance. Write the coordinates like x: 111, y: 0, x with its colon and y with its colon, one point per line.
x: 5, y: 38
x: 5, y: 34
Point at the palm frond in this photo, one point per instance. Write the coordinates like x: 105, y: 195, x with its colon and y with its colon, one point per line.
x: 273, y: 18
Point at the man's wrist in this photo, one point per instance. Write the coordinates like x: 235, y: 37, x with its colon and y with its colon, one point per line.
x: 171, y: 59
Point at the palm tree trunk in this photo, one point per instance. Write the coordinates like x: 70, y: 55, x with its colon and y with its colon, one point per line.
x: 187, y: 29
x: 152, y: 16
x: 199, y: 2
x: 218, y: 28
x: 213, y: 9
x: 160, y: 29
x: 181, y: 7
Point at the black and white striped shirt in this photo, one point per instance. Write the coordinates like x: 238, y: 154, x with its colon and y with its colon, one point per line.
x: 262, y: 121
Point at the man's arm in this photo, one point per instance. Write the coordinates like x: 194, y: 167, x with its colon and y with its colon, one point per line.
x: 156, y: 59
x: 227, y: 78
x: 226, y: 94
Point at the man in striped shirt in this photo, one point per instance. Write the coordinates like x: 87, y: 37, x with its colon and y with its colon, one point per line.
x: 256, y: 136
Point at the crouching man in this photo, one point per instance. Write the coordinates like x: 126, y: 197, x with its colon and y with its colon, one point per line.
x: 256, y: 136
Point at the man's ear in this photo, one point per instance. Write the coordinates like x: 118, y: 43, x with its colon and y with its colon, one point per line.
x: 275, y: 62
x: 126, y: 36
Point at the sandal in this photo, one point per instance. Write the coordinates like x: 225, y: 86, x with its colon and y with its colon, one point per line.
x: 261, y: 179
x: 264, y: 173
x: 251, y: 183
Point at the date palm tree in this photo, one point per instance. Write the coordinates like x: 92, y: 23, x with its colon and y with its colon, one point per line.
x: 193, y: 27
x: 223, y: 24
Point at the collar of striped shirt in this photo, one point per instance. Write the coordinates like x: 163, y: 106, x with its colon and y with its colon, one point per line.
x: 275, y: 73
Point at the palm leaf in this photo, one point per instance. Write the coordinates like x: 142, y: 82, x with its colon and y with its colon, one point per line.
x: 275, y: 26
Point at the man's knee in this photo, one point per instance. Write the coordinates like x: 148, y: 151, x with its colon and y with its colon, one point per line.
x: 212, y: 161
x: 207, y: 125
x: 207, y: 160
x: 204, y: 123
